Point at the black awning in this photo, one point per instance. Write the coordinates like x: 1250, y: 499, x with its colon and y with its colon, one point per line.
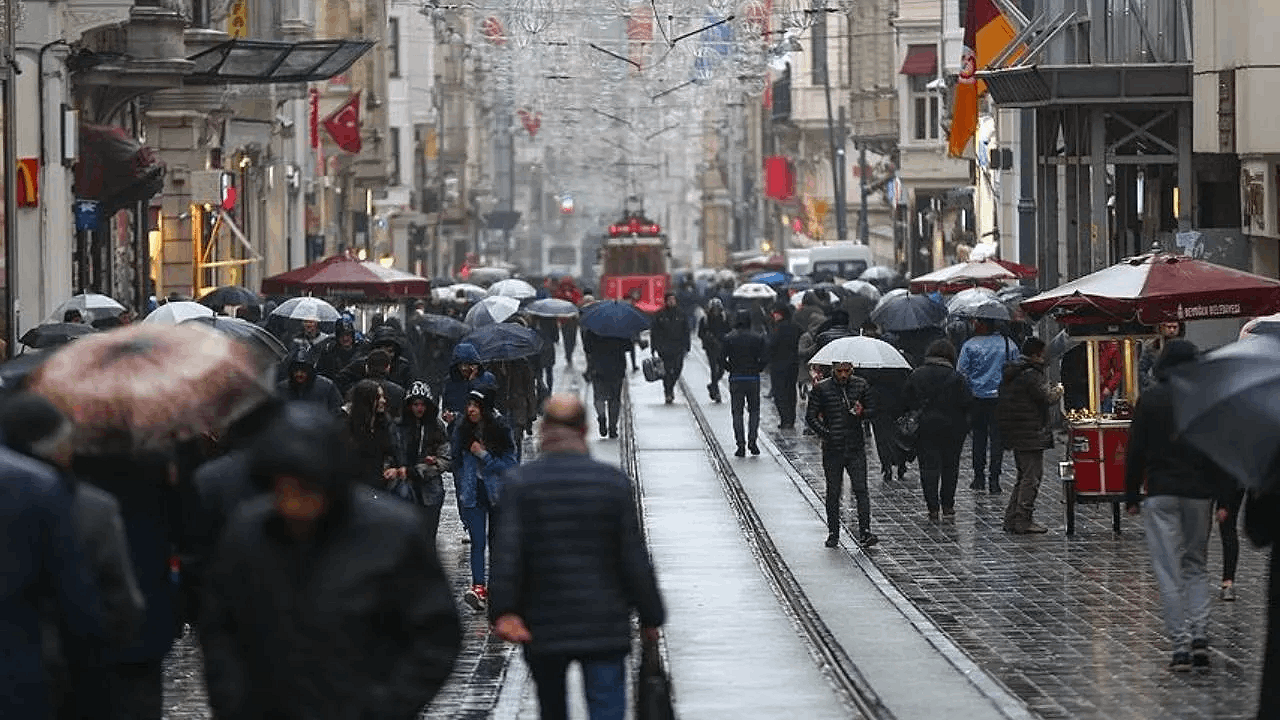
x: 267, y: 61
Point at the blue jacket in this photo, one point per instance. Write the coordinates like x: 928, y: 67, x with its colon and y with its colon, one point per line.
x: 982, y: 361
x: 41, y: 561
x: 456, y: 389
x: 469, y: 471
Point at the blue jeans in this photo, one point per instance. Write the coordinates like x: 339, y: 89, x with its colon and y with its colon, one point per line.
x: 604, y: 678
x: 476, y: 521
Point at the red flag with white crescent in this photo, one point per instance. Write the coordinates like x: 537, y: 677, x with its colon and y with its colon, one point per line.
x: 343, y: 125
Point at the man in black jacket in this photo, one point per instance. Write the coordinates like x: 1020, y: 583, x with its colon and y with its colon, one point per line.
x: 569, y: 564
x: 1022, y: 415
x: 607, y: 371
x: 1181, y: 486
x: 784, y: 364
x: 837, y: 408
x: 303, y: 384
x: 669, y: 333
x: 745, y: 354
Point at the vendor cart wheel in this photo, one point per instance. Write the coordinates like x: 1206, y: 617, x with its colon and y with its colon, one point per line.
x: 1115, y: 517
x: 1069, y: 491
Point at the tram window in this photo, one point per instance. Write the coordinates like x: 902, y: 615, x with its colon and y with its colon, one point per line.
x: 634, y: 260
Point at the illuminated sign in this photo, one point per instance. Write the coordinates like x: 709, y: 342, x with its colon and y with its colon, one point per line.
x: 28, y: 182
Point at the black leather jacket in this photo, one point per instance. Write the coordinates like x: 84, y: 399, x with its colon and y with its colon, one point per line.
x: 829, y: 415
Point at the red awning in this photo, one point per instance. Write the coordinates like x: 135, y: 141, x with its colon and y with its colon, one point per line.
x: 342, y: 275
x: 921, y: 60
x: 1024, y: 272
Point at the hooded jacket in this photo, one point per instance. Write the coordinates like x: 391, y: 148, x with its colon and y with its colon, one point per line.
x: 457, y: 389
x: 1167, y: 464
x: 316, y: 388
x: 1022, y: 411
x: 423, y: 438
x: 746, y: 353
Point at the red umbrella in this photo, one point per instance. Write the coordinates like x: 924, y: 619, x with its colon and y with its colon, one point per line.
x: 345, y: 275
x: 1151, y: 289
x: 1024, y: 272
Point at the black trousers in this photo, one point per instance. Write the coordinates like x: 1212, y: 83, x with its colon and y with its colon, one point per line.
x: 782, y: 381
x: 835, y: 462
x: 940, y: 469
x: 745, y: 393
x: 672, y: 365
x: 986, y: 434
x: 607, y: 398
x: 886, y: 450
x: 135, y: 691
x: 1231, y: 537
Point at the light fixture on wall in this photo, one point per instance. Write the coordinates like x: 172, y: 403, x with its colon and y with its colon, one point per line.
x: 70, y: 135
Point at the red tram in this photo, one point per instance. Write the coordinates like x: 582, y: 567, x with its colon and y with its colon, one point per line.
x: 635, y: 257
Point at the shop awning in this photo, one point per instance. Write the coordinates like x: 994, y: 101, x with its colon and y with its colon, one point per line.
x: 268, y: 61
x: 921, y: 60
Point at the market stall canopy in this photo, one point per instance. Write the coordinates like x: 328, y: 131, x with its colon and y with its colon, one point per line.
x: 954, y: 278
x: 343, y: 275
x: 1156, y: 288
x: 246, y: 61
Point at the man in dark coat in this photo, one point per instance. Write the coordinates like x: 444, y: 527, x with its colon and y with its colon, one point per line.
x: 887, y: 388
x: 784, y: 364
x: 745, y: 355
x: 712, y: 330
x: 606, y: 370
x: 570, y: 565
x: 669, y: 333
x: 1182, y: 485
x: 340, y: 351
x: 837, y: 408
x: 324, y: 600
x: 1023, y: 417
x: 304, y: 385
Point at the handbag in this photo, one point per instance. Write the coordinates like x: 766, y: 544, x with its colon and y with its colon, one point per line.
x: 653, y: 368
x: 906, y: 431
x: 653, y: 691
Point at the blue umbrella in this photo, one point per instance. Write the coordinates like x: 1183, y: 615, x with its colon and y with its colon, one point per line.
x: 615, y: 319
x: 504, y: 341
x: 772, y: 277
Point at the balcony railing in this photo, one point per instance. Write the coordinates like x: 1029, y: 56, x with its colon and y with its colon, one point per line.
x: 1112, y: 32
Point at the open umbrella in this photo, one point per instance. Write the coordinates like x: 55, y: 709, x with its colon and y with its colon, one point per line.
x: 14, y: 373
x: 269, y: 348
x: 513, y: 288
x: 493, y: 309
x: 91, y: 306
x: 884, y: 278
x: 504, y: 341
x: 1015, y: 294
x: 54, y: 334
x: 306, y: 308
x: 1225, y: 405
x: 908, y: 312
x: 176, y: 312
x: 990, y: 310
x: 441, y: 326
x: 864, y: 288
x: 962, y: 275
x: 230, y: 295
x: 771, y: 277
x: 614, y: 318
x: 863, y: 352
x: 825, y: 297
x: 755, y: 291
x: 970, y: 297
x: 552, y: 307
x: 144, y: 387
x: 488, y: 275
x: 470, y: 293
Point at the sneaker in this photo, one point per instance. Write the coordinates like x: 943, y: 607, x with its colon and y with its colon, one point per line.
x: 934, y: 516
x: 604, y: 431
x: 1031, y: 529
x: 949, y: 512
x: 1228, y: 592
x: 833, y: 540
x: 868, y: 539
x: 670, y: 399
x: 1200, y: 653
x: 740, y: 452
x: 754, y: 448
x: 1181, y: 662
x: 477, y: 597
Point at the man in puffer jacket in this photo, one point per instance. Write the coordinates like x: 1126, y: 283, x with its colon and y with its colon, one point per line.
x: 1022, y: 414
x: 837, y: 408
x: 1182, y: 485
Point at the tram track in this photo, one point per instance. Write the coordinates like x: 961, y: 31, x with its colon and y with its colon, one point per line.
x: 844, y: 674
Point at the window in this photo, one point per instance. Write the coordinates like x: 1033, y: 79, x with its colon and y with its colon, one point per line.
x: 924, y: 109
x: 393, y: 46
x: 395, y: 155
x: 818, y: 32
x: 964, y: 10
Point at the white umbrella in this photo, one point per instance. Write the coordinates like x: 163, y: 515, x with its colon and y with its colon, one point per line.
x: 91, y: 306
x: 798, y: 298
x: 970, y: 297
x: 863, y: 352
x: 513, y: 288
x: 864, y: 288
x: 306, y: 308
x: 450, y: 292
x: 176, y: 312
x: 492, y: 310
x: 755, y: 291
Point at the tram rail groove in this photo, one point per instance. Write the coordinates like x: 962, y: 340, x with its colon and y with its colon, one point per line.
x: 849, y: 680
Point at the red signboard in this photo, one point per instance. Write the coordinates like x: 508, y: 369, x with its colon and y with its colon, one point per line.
x: 28, y: 182
x: 779, y: 178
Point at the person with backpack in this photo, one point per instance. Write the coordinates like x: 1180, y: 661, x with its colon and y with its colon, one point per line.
x: 939, y: 398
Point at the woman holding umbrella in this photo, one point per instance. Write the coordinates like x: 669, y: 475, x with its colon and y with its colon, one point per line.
x: 483, y: 449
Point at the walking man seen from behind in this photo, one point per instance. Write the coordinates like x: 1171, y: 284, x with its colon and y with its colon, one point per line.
x: 837, y: 407
x: 745, y: 356
x: 569, y: 566
x: 669, y: 334
x: 784, y: 364
x: 1023, y: 414
x: 982, y: 361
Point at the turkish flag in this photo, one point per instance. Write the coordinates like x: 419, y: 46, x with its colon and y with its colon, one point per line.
x: 343, y: 125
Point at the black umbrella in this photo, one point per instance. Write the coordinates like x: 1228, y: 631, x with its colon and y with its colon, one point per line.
x: 263, y: 342
x: 54, y: 334
x: 1225, y: 405
x: 504, y: 341
x: 230, y: 295
x: 615, y: 319
x: 908, y: 312
x: 441, y: 326
x: 14, y: 373
x: 884, y: 278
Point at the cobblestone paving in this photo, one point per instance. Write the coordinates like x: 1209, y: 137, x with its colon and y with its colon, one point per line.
x: 1071, y: 625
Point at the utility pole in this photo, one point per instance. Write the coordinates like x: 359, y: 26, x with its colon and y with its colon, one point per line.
x: 864, y: 228
x: 837, y: 153
x: 1027, y: 151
